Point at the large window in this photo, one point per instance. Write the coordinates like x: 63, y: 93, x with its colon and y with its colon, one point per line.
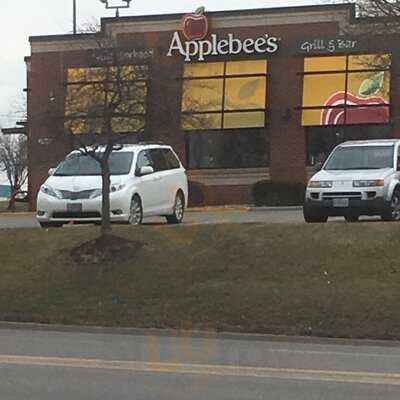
x: 224, y: 95
x: 238, y: 148
x: 104, y: 98
x: 322, y: 139
x: 345, y: 90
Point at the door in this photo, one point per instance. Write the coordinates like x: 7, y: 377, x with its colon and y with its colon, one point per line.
x: 147, y: 184
x: 161, y: 176
x: 176, y: 178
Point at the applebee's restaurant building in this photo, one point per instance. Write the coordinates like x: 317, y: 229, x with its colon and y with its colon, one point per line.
x: 242, y: 96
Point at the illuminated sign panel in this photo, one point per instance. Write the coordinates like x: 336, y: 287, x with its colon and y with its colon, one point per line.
x: 196, y: 47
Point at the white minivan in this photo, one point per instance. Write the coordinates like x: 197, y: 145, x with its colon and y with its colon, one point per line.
x: 146, y: 180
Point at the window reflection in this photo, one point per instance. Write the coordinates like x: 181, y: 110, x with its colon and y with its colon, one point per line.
x: 245, y: 93
x: 224, y: 88
x: 121, y: 90
x: 358, y: 95
x: 202, y: 95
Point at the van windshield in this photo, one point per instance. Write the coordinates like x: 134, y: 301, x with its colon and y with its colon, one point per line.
x: 361, y: 157
x: 83, y: 165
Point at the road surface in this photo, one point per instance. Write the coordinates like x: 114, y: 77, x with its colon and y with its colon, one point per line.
x: 263, y: 215
x: 48, y: 365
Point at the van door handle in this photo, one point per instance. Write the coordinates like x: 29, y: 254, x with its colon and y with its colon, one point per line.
x: 157, y: 178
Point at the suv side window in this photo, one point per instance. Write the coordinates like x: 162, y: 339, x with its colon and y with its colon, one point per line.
x: 143, y: 160
x: 398, y: 159
x: 159, y: 162
x: 171, y: 159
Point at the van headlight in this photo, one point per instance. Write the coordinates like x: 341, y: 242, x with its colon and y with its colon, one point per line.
x: 50, y: 191
x: 117, y: 188
x: 369, y: 183
x: 320, y: 184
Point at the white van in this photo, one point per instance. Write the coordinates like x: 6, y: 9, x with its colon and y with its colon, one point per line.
x: 146, y: 180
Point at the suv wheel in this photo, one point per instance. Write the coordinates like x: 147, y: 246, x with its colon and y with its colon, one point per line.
x: 313, y: 217
x: 393, y: 211
x: 179, y: 210
x: 135, y: 211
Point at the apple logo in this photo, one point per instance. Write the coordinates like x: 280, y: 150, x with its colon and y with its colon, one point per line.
x: 195, y: 25
x: 356, y: 113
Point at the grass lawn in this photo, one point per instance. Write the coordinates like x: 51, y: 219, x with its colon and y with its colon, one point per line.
x: 337, y: 280
x: 19, y: 207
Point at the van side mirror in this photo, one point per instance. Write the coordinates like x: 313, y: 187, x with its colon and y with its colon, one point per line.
x: 51, y: 171
x: 147, y: 170
x: 398, y: 164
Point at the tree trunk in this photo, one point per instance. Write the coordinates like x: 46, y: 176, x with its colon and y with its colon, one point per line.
x: 105, y: 207
x: 11, y: 203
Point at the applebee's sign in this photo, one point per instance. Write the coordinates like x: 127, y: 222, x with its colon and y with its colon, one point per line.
x: 195, y: 30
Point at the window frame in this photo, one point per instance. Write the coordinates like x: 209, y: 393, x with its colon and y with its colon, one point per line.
x: 347, y: 72
x: 223, y: 111
x: 105, y: 72
x: 137, y: 169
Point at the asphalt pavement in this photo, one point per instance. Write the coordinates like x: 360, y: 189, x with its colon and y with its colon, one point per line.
x: 211, y: 216
x: 44, y: 365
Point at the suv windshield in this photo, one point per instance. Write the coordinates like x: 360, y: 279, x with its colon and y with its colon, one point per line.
x: 79, y: 165
x: 361, y: 157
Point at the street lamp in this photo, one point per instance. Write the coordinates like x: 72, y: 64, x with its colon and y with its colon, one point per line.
x: 74, y: 15
x: 116, y: 8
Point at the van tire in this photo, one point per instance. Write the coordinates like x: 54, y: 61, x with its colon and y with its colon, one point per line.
x: 178, y: 210
x: 135, y: 211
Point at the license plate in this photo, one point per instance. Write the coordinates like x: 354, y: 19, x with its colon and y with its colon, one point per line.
x: 74, y: 207
x: 340, y: 202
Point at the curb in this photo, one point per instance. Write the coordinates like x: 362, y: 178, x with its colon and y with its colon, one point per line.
x: 219, y: 208
x: 247, y: 208
x: 283, y: 208
x: 197, y: 334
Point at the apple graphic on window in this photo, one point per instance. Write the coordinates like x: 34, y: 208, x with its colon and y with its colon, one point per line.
x: 195, y: 25
x: 356, y: 113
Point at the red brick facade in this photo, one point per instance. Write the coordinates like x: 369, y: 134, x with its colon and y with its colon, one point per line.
x: 52, y: 55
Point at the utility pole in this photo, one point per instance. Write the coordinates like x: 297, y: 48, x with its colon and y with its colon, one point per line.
x: 74, y: 15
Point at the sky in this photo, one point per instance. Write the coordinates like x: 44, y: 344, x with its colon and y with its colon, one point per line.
x: 20, y: 19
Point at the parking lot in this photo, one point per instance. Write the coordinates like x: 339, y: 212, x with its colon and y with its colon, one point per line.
x: 211, y: 216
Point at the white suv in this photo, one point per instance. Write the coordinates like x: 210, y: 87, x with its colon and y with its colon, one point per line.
x: 358, y: 178
x: 146, y: 180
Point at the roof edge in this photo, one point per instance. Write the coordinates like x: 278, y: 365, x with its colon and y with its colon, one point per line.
x: 224, y: 13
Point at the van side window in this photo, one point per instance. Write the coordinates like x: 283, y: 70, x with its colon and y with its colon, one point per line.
x: 170, y: 158
x: 159, y: 162
x: 143, y: 160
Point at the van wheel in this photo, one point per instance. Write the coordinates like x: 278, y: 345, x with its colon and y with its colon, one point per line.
x: 313, y: 217
x: 179, y: 210
x: 351, y: 218
x: 51, y: 224
x: 135, y: 211
x: 393, y: 211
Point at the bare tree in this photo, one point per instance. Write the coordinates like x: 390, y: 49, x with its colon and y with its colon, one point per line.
x: 14, y: 162
x: 102, y: 104
x: 379, y: 8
